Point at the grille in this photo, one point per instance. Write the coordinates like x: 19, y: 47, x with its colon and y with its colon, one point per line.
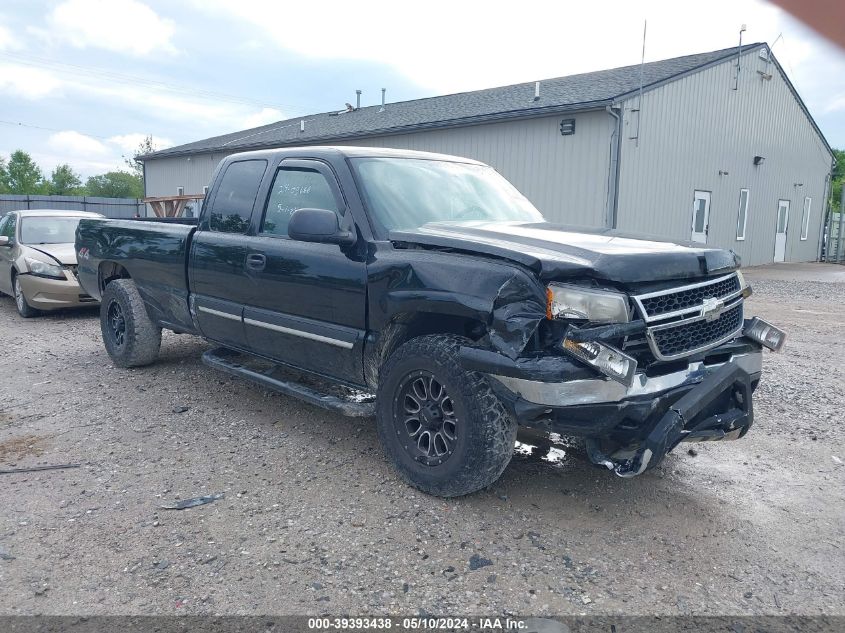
x: 689, y: 298
x: 673, y: 341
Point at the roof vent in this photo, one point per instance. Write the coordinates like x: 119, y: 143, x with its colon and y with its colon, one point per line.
x: 357, y: 99
x: 536, y: 91
x: 302, y: 125
x: 383, y: 91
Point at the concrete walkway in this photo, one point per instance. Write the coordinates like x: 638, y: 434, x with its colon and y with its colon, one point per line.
x: 809, y: 271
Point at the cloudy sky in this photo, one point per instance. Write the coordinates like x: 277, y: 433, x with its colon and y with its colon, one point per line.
x: 82, y: 81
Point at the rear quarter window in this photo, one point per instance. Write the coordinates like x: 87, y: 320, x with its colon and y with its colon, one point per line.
x: 231, y: 209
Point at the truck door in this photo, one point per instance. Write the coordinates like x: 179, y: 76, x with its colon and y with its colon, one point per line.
x: 217, y: 267
x: 311, y: 309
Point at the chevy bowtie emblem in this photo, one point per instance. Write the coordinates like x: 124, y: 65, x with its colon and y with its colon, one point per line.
x: 712, y: 309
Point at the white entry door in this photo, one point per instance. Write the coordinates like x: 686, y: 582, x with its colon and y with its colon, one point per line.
x: 780, y: 235
x: 700, y: 216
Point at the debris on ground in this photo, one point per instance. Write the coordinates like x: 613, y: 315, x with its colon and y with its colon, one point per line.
x: 193, y: 503
x: 33, y: 469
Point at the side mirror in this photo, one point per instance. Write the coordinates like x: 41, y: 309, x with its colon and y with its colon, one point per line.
x: 318, y: 225
x: 4, y: 240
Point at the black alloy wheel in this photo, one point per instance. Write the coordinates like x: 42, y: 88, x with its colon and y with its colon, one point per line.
x: 425, y: 418
x: 117, y: 323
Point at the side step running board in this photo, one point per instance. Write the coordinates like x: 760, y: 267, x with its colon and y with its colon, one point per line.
x: 235, y: 363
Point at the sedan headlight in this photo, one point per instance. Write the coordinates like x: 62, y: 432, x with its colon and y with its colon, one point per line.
x: 574, y: 302
x: 37, y: 267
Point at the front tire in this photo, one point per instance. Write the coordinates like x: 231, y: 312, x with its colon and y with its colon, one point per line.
x: 443, y: 428
x: 129, y: 335
x: 24, y: 309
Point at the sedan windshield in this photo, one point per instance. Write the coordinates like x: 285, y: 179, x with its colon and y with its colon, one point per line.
x: 406, y: 193
x: 48, y: 230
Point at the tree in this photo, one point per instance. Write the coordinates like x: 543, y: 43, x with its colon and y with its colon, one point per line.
x: 115, y: 184
x: 837, y: 179
x: 25, y: 177
x: 65, y: 182
x: 135, y: 166
x: 4, y: 176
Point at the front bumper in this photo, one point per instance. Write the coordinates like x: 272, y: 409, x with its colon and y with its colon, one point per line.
x: 605, y: 390
x: 46, y: 293
x: 630, y: 429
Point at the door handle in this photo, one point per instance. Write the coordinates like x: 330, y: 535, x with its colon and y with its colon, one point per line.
x: 256, y: 261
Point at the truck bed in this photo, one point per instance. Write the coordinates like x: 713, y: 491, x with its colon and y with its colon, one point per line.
x: 154, y: 254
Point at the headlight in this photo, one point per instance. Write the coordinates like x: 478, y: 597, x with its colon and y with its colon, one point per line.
x: 765, y: 333
x: 37, y: 267
x: 573, y: 302
x: 608, y: 360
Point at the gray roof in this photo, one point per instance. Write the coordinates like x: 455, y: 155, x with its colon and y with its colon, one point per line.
x: 575, y: 92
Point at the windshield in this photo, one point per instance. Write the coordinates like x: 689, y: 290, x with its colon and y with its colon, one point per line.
x: 48, y: 230
x: 405, y: 193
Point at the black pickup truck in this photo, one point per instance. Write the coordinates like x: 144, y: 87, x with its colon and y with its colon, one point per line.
x: 425, y: 290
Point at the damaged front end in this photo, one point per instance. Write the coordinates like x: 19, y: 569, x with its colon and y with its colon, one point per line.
x: 681, y: 367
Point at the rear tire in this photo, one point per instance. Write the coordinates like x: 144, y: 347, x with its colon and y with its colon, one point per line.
x: 445, y: 430
x: 24, y: 309
x: 129, y: 335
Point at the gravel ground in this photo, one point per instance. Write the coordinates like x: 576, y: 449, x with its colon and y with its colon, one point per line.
x: 315, y: 521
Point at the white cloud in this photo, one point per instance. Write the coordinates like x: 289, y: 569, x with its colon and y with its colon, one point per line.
x: 263, y: 117
x: 157, y: 106
x: 73, y: 145
x: 27, y: 82
x: 836, y: 104
x: 124, y: 26
x: 455, y: 46
x: 8, y: 42
x: 128, y: 143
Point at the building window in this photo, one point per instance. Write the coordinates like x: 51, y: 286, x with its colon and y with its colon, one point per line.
x: 805, y: 218
x: 742, y: 217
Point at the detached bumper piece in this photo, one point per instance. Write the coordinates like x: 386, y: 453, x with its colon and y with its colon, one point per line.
x: 718, y: 408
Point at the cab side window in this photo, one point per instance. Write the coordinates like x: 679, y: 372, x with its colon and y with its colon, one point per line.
x: 231, y: 209
x: 296, y: 188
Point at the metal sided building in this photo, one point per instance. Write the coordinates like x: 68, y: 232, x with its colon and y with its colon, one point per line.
x: 716, y: 148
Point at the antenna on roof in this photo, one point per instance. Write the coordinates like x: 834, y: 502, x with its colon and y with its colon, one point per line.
x: 639, y: 107
x: 738, y: 55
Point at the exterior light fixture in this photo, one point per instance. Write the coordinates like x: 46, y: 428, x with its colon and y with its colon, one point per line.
x: 758, y: 160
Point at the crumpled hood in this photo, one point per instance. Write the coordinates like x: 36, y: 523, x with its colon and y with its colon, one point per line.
x: 555, y: 251
x: 63, y: 253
